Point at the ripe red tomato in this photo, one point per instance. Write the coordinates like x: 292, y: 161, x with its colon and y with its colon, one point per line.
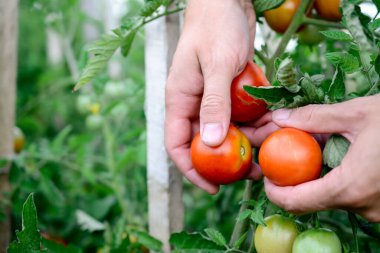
x: 245, y: 108
x: 328, y: 9
x: 317, y: 240
x: 290, y: 156
x: 277, y: 236
x: 18, y: 140
x: 226, y: 163
x: 280, y: 18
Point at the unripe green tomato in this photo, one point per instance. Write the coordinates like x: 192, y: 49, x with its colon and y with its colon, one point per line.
x: 310, y: 35
x: 94, y: 121
x: 277, y: 236
x: 83, y: 104
x: 18, y: 140
x: 317, y: 241
x: 114, y: 90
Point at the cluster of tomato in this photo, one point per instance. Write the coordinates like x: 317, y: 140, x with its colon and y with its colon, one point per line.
x: 231, y: 161
x: 280, y: 18
x: 281, y: 234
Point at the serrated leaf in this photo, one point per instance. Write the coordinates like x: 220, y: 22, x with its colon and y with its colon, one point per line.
x: 240, y: 241
x: 29, y: 238
x: 150, y: 7
x: 346, y: 61
x: 87, y: 222
x: 216, y: 237
x: 337, y: 89
x: 313, y: 94
x: 271, y: 94
x: 244, y: 215
x: 265, y: 5
x: 335, y: 150
x: 257, y: 215
x: 102, y: 50
x: 374, y: 25
x: 147, y: 240
x: 193, y: 242
x: 286, y: 75
x: 127, y: 43
x: 337, y: 35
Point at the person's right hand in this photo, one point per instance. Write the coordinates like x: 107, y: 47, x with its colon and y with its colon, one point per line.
x: 214, y: 47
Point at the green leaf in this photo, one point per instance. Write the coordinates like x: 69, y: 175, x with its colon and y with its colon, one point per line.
x: 29, y: 238
x: 312, y: 93
x: 337, y: 35
x: 147, y: 240
x: 377, y: 64
x: 102, y: 51
x: 240, y: 241
x: 335, y: 150
x: 337, y: 89
x: 193, y: 242
x: 286, y: 75
x: 54, y: 247
x: 216, y: 237
x: 374, y: 25
x: 150, y: 7
x: 127, y: 43
x: 257, y: 215
x: 270, y: 94
x: 244, y: 215
x: 265, y: 5
x: 346, y: 61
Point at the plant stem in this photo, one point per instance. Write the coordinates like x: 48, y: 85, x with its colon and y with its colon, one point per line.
x: 292, y: 29
x: 241, y: 226
x: 261, y: 56
x: 320, y: 22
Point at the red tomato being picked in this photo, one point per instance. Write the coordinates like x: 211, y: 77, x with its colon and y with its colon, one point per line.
x: 290, y: 157
x: 226, y: 163
x: 245, y: 108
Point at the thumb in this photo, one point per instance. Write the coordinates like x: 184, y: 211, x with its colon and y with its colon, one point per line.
x: 335, y: 118
x: 215, y: 112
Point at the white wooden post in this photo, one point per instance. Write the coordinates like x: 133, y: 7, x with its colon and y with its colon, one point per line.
x: 8, y: 72
x: 164, y: 181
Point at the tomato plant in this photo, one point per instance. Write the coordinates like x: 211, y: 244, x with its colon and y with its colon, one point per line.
x: 290, y: 156
x: 328, y: 9
x: 316, y: 241
x: 245, y: 108
x: 279, y: 18
x: 18, y: 140
x: 226, y: 163
x: 277, y: 236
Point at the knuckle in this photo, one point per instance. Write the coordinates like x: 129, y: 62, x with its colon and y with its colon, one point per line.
x: 213, y: 104
x: 372, y: 216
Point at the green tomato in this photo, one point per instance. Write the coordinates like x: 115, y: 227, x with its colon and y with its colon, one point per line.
x: 94, y: 121
x: 83, y: 104
x: 114, y: 90
x: 317, y: 241
x: 310, y: 35
x: 277, y: 236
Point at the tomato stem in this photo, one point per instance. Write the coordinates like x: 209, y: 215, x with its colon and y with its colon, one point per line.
x: 320, y: 22
x: 292, y: 29
x: 241, y: 226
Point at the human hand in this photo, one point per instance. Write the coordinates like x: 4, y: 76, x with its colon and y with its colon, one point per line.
x: 355, y: 184
x: 215, y: 45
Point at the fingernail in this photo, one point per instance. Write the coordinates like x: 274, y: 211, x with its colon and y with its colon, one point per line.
x: 212, y: 133
x: 281, y: 115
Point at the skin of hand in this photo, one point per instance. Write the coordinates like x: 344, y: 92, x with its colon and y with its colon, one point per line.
x: 214, y: 47
x: 355, y: 184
